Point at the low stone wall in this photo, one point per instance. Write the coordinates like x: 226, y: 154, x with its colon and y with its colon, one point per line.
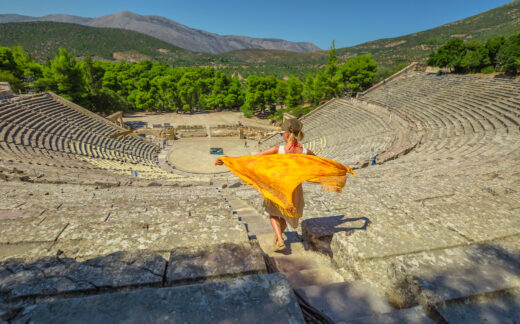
x: 191, y: 131
x: 234, y: 130
x: 225, y: 131
x: 5, y: 90
x: 415, y: 66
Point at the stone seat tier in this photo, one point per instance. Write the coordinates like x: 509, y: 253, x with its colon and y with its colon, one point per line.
x: 352, y: 134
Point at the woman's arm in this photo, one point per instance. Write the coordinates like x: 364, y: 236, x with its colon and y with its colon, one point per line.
x: 272, y: 150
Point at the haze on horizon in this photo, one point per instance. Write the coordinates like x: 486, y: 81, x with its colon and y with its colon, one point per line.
x: 347, y: 22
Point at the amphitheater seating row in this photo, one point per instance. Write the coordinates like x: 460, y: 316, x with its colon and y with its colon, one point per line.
x: 342, y: 131
x: 46, y: 132
x: 18, y: 113
x: 460, y: 116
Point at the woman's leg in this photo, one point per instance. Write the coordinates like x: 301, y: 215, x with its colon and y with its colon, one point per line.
x: 277, y: 226
x: 283, y: 224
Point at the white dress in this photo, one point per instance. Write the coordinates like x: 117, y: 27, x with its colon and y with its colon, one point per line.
x: 298, y: 201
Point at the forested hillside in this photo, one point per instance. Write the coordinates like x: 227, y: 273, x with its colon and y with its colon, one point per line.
x: 501, y: 21
x: 42, y: 40
x: 107, y: 86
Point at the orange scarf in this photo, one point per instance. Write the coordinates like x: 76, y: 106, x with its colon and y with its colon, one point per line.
x: 277, y: 175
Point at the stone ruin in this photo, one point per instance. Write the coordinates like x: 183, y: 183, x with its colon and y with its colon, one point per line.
x: 430, y: 233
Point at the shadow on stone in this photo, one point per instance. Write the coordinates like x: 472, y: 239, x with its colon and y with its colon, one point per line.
x: 23, y: 284
x: 266, y: 298
x: 317, y: 232
x: 483, y: 285
x: 134, y: 124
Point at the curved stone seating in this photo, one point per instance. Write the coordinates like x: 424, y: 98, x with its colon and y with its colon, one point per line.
x: 439, y: 223
x: 47, y: 125
x: 343, y: 131
x: 461, y: 116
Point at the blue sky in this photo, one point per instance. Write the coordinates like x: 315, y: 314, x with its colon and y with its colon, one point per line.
x: 349, y: 22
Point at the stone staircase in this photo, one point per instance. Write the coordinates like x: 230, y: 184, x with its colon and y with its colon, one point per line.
x: 314, y: 278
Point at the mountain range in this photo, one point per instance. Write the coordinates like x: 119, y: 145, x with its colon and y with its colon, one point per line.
x: 172, y: 32
x: 42, y: 39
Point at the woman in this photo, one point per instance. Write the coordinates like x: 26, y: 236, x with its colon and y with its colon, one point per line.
x: 292, y: 132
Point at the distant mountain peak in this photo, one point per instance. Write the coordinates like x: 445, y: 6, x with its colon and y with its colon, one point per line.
x: 173, y: 32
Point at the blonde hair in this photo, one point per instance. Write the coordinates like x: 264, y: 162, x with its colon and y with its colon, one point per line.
x: 296, y: 137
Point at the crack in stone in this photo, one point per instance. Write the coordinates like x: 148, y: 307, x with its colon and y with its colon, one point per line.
x: 461, y: 234
x: 41, y: 221
x: 152, y: 272
x: 165, y: 274
x: 57, y: 236
x: 422, y: 200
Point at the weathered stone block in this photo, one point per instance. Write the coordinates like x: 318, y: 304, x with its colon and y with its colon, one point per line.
x: 28, y: 232
x: 409, y: 315
x: 52, y: 276
x: 264, y: 298
x: 220, y: 260
x: 503, y: 307
x: 317, y: 232
x: 102, y: 239
x: 381, y: 240
x: 346, y: 301
x: 430, y: 277
x: 481, y: 221
x: 28, y: 250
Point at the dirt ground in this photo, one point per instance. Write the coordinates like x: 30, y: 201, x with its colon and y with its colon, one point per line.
x: 192, y: 154
x: 138, y: 120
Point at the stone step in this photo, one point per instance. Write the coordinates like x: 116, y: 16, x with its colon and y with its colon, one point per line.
x: 296, y: 262
x: 343, y: 302
x: 403, y: 316
x: 54, y: 276
x: 503, y: 307
x: 256, y: 225
x: 242, y: 300
x: 293, y: 243
x: 317, y: 232
x: 317, y: 276
x: 187, y: 264
x: 433, y: 277
x: 87, y: 240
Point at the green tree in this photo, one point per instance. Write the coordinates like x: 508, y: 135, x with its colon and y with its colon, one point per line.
x: 356, y: 74
x: 476, y: 57
x: 308, y: 89
x: 26, y: 64
x: 280, y: 92
x: 332, y: 60
x: 7, y: 62
x: 322, y: 87
x: 260, y: 94
x: 64, y: 76
x: 493, y: 46
x: 509, y: 55
x: 235, y: 95
x: 294, y: 92
x: 9, y: 71
x: 448, y: 55
x: 189, y: 91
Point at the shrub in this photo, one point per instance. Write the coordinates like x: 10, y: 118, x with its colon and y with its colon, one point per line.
x: 488, y: 70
